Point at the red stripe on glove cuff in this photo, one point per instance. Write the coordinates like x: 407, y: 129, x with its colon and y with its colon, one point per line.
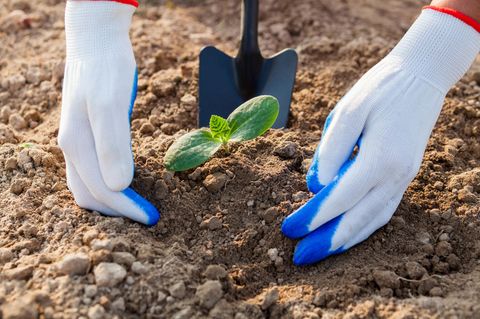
x: 457, y: 14
x: 130, y: 2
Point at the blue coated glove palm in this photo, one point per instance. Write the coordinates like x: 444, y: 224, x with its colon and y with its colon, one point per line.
x: 99, y: 90
x: 389, y: 115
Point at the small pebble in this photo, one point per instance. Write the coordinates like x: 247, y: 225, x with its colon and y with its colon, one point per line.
x: 98, y: 244
x: 299, y: 196
x: 178, y: 290
x: 438, y: 185
x: 118, y: 305
x: 90, y: 291
x: 17, y: 121
x: 11, y: 163
x: 139, y: 268
x: 272, y: 254
x: 188, y: 99
x: 215, y: 182
x: 423, y: 237
x: 96, y: 312
x: 444, y: 237
x: 74, y: 264
x: 286, y: 150
x: 161, y: 296
x: 196, y: 174
x: 109, y: 274
x: 270, y: 214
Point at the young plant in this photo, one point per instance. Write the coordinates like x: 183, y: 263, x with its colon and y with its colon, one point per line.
x: 249, y: 120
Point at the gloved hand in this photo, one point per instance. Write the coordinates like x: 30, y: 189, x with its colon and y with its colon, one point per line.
x: 99, y: 91
x: 389, y: 115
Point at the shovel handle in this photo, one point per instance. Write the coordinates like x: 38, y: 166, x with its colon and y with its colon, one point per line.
x: 249, y: 43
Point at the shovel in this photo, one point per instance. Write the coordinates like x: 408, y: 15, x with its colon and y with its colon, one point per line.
x: 226, y: 82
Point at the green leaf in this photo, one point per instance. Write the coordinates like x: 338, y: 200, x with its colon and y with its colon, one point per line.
x: 253, y: 118
x: 219, y: 126
x: 191, y: 150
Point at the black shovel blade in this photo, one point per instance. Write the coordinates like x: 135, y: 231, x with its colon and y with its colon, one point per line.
x: 219, y: 91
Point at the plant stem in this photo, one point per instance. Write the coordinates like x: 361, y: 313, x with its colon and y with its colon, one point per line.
x: 226, y: 147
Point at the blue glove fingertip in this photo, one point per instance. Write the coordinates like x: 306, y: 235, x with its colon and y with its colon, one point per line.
x: 293, y: 228
x: 297, y: 224
x: 152, y: 213
x: 313, y: 184
x: 317, y: 246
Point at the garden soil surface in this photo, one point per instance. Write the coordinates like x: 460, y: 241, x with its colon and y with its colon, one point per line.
x: 217, y: 251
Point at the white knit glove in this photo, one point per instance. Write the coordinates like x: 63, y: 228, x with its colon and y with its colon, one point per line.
x: 389, y: 114
x: 99, y: 90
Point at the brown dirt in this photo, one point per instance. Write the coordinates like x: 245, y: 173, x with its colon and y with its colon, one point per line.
x: 423, y: 264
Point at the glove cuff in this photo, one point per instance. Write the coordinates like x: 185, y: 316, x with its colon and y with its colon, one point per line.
x: 130, y: 2
x: 96, y: 29
x: 439, y: 47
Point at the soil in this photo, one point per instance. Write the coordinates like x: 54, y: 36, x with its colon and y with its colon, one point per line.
x: 217, y: 251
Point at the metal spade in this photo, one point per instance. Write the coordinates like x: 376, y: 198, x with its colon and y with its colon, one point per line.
x: 226, y: 82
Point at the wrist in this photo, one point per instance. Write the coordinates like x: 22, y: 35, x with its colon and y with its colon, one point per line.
x: 96, y: 29
x: 439, y: 48
x: 469, y: 8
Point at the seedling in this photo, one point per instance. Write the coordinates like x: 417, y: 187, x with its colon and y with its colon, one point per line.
x: 246, y: 122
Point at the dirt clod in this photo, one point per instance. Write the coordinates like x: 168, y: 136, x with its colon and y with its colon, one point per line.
x: 17, y: 122
x: 109, y: 274
x: 139, y: 268
x: 91, y: 290
x: 270, y: 214
x: 286, y: 150
x: 96, y: 312
x: 209, y: 293
x: 74, y: 264
x: 443, y: 249
x: 212, y: 223
x: 98, y: 244
x: 426, y: 285
x: 178, y: 290
x: 19, y: 273
x: 123, y: 258
x: 215, y: 272
x: 415, y: 270
x: 20, y: 309
x: 215, y: 182
x: 271, y: 297
x: 386, y: 279
x: 5, y: 255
